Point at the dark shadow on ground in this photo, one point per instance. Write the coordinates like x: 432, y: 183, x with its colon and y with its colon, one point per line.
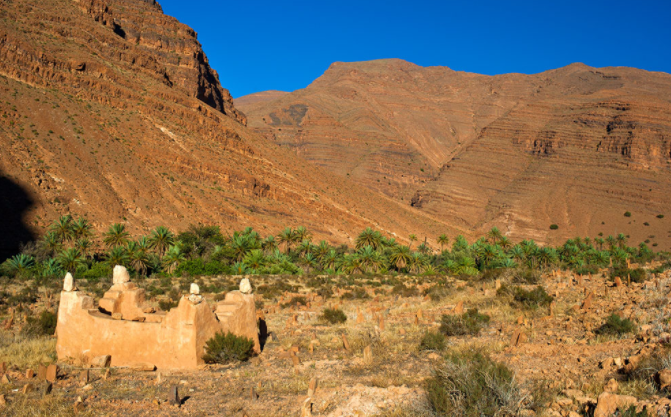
x: 14, y: 203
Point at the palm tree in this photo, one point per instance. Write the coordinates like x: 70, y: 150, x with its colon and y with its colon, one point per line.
x: 161, y: 239
x: 138, y: 255
x: 330, y: 260
x: 255, y: 259
x: 611, y: 241
x: 308, y: 261
x: 172, y: 258
x: 269, y: 244
x: 301, y: 234
x: 621, y: 240
x: 84, y: 246
x: 494, y: 235
x: 443, y: 241
x: 63, y: 228
x: 241, y: 244
x: 81, y: 228
x: 50, y: 268
x: 118, y: 255
x: 51, y: 243
x: 505, y: 243
x: 400, y: 257
x: 286, y: 238
x: 599, y: 241
x: 413, y: 238
x: 115, y: 236
x: 369, y: 237
x: 352, y: 264
x: 424, y: 248
x: 20, y: 263
x: 70, y: 259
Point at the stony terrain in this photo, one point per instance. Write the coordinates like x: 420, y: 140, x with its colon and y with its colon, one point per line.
x: 576, y: 147
x: 110, y: 109
x: 558, y: 352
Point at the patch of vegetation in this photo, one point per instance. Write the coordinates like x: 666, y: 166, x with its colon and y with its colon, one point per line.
x: 167, y: 305
x: 660, y: 216
x: 528, y: 299
x: 432, y: 341
x: 357, y: 294
x: 471, y: 384
x: 627, y: 214
x: 438, y: 292
x: 333, y: 316
x: 295, y: 301
x: 637, y: 275
x: 43, y: 325
x: 554, y: 227
x: 403, y: 291
x: 469, y: 323
x: 527, y: 276
x: 616, y: 325
x: 225, y: 348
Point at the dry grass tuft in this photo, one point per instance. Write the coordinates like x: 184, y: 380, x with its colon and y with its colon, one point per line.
x: 27, y: 352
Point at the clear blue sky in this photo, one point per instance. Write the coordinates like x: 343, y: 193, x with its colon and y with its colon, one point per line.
x: 285, y: 45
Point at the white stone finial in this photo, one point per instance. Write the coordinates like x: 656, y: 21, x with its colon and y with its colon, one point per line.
x: 69, y: 282
x: 194, y: 289
x: 120, y: 275
x: 245, y: 286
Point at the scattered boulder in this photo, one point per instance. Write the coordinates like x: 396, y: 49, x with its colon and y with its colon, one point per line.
x: 245, y: 286
x: 608, y: 403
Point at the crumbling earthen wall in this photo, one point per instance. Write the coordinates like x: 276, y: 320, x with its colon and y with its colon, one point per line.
x: 134, y: 335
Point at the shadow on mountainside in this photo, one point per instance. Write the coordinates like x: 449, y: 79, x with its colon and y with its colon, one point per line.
x: 14, y: 202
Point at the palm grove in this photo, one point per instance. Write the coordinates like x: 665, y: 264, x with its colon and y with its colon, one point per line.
x: 70, y: 245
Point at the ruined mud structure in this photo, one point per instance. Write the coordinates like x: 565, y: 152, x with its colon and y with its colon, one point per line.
x: 133, y: 334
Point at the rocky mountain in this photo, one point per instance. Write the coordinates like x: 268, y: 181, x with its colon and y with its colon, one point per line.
x: 576, y: 147
x: 111, y: 110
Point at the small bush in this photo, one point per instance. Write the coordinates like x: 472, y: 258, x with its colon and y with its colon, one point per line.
x: 473, y: 385
x: 554, y: 227
x: 627, y: 214
x: 531, y: 299
x: 615, y: 325
x: 225, y: 348
x: 438, y: 292
x: 403, y: 291
x: 432, y: 341
x: 333, y: 316
x: 637, y: 275
x: 44, y: 325
x: 527, y: 276
x: 660, y: 216
x: 468, y: 323
x: 168, y: 304
x: 358, y: 293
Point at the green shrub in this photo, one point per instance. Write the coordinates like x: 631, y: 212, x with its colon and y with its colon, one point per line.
x: 44, y: 325
x: 660, y: 216
x: 225, y: 348
x: 98, y: 271
x: 333, y: 316
x: 531, y: 299
x: 616, y: 325
x: 637, y: 275
x: 468, y: 323
x: 627, y: 214
x: 473, y: 385
x: 432, y: 341
x: 554, y: 227
x: 168, y: 304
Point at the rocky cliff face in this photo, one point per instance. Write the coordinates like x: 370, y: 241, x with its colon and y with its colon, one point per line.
x: 110, y: 109
x: 576, y: 147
